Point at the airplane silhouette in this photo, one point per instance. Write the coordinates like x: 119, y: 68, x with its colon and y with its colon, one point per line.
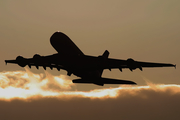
x: 74, y: 61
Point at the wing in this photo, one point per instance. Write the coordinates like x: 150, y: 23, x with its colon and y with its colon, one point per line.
x: 132, y: 64
x: 66, y: 49
x: 51, y: 61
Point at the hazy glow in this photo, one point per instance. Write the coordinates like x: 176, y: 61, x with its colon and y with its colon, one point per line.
x: 25, y: 85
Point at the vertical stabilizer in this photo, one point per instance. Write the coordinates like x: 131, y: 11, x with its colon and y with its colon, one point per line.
x: 104, y: 57
x: 106, y: 54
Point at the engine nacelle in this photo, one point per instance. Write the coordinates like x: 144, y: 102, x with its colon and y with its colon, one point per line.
x: 21, y: 61
x: 37, y: 60
x: 36, y: 57
x: 133, y: 64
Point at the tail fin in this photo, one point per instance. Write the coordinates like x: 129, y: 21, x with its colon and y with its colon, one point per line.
x: 105, y: 54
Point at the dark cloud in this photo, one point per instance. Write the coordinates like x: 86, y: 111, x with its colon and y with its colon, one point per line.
x: 156, y: 105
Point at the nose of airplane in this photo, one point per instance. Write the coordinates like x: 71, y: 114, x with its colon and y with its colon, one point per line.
x: 64, y: 45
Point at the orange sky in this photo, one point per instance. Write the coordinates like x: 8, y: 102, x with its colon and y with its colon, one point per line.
x: 142, y: 30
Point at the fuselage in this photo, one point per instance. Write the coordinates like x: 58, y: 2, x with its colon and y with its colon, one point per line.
x: 70, y: 56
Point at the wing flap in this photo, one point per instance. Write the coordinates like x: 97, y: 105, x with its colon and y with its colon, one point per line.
x: 58, y: 67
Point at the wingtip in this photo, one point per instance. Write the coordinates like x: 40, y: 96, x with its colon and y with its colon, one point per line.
x: 175, y: 66
x: 6, y: 62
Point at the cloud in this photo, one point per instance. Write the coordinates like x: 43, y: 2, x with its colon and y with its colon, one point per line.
x: 137, y: 104
x: 15, y: 79
x: 25, y: 95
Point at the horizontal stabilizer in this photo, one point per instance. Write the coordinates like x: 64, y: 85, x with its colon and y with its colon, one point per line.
x: 115, y: 81
x: 102, y: 81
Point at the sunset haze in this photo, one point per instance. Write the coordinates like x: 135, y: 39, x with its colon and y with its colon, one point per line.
x: 145, y: 30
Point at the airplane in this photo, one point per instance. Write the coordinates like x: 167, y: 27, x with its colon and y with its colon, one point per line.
x: 89, y: 68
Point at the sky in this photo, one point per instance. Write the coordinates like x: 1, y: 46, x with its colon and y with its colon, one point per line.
x: 143, y: 30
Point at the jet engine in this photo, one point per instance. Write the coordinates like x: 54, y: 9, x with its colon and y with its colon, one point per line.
x: 37, y: 60
x: 133, y: 64
x: 37, y: 57
x: 21, y: 61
